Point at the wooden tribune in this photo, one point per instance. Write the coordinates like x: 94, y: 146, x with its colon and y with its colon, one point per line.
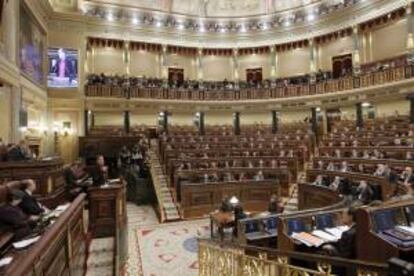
x: 61, y: 250
x: 200, y: 199
x: 49, y: 177
x: 108, y: 218
x: 313, y: 196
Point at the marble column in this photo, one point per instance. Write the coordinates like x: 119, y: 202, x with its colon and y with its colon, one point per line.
x: 127, y: 58
x: 127, y: 121
x: 16, y: 103
x: 272, y: 62
x: 411, y: 99
x: 359, y: 116
x: 163, y: 64
x: 236, y: 123
x: 10, y: 25
x: 200, y: 65
x: 236, y: 73
x: 275, y: 122
x: 410, y: 35
x: 356, y: 56
x: 201, y: 128
x: 312, y: 62
x: 86, y: 121
x: 314, y: 121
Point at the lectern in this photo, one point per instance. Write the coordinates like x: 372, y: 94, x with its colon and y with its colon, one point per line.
x: 108, y: 218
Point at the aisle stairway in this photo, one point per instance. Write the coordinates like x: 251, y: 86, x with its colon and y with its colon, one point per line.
x: 101, y: 257
x: 167, y: 207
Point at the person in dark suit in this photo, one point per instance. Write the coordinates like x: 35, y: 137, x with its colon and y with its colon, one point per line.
x: 275, y: 206
x: 63, y: 68
x: 226, y: 206
x: 13, y: 219
x: 29, y: 204
x: 364, y: 193
x: 18, y: 152
x: 75, y: 176
x: 345, y: 247
x: 99, y: 173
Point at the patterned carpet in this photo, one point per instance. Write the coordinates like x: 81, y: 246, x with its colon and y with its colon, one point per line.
x: 162, y: 249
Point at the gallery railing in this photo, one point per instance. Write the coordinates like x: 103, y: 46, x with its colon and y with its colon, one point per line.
x: 216, y: 258
x: 329, y: 86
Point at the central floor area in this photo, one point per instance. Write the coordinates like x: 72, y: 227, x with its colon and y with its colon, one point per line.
x: 162, y: 249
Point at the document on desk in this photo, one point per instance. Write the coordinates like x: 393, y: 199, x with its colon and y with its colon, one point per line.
x: 325, y: 236
x: 337, y: 231
x: 5, y: 261
x: 407, y: 229
x: 308, y: 239
x: 25, y: 243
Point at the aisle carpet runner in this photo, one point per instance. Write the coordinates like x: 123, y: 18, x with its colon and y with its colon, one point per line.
x: 168, y: 249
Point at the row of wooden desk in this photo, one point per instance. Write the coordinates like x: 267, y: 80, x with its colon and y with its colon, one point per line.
x: 275, y: 230
x: 62, y: 247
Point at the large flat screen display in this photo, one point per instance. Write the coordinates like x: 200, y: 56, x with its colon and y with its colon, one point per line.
x: 63, y: 68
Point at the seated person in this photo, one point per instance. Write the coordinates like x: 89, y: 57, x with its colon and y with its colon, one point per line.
x: 364, y: 192
x: 345, y: 247
x: 335, y: 184
x: 13, y: 219
x: 74, y: 177
x: 275, y: 205
x: 99, y: 172
x: 29, y: 204
x: 18, y: 152
x: 259, y: 176
x: 344, y: 166
x: 330, y: 167
x: 226, y: 206
x: 320, y: 181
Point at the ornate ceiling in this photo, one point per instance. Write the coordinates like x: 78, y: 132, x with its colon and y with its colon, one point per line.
x: 214, y: 23
x: 214, y: 8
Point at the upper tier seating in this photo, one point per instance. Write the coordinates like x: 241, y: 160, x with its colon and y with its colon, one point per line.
x: 121, y: 87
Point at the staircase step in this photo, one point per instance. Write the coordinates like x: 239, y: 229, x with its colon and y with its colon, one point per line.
x: 100, y: 271
x: 102, y: 244
x: 99, y: 259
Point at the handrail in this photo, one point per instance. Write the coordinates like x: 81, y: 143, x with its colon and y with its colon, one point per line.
x: 330, y: 86
x: 231, y: 254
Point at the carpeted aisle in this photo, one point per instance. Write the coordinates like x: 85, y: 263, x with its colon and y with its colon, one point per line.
x: 162, y: 249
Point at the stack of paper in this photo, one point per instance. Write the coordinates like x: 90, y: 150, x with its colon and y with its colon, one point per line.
x: 407, y: 229
x: 337, y: 231
x: 5, y: 261
x: 325, y: 236
x: 307, y: 239
x: 25, y: 243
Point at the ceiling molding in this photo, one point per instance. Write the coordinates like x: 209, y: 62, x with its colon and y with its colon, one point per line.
x: 91, y: 26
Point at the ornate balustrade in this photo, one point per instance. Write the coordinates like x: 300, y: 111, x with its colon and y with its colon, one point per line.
x: 217, y: 259
x: 280, y: 91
